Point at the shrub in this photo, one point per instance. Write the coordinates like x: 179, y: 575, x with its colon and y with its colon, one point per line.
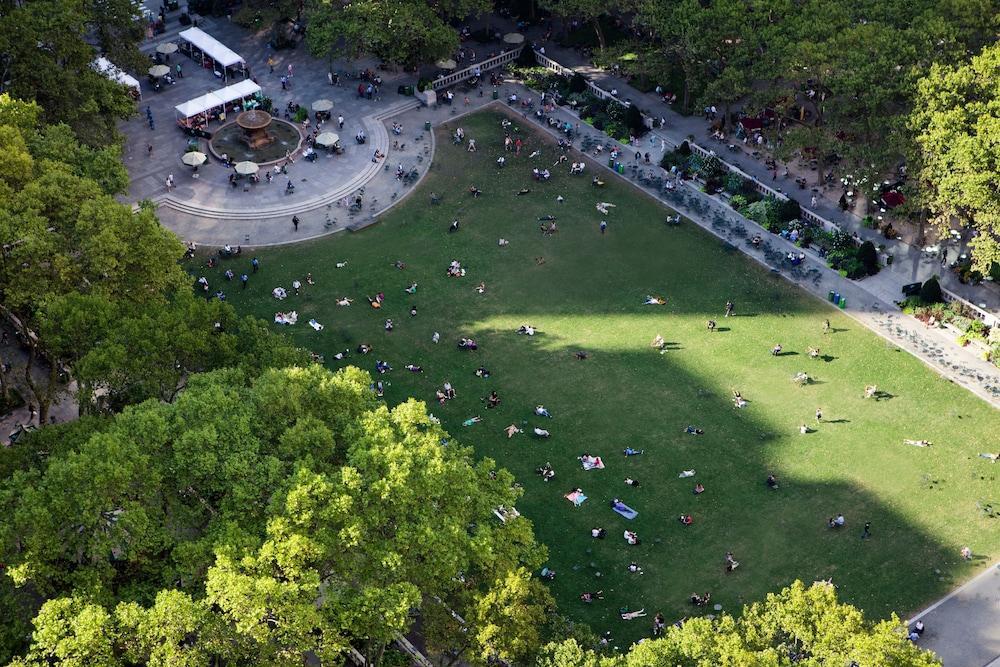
x: 684, y: 148
x: 423, y: 84
x: 673, y: 159
x: 527, y: 57
x: 301, y: 114
x: 577, y: 83
x: 615, y: 130
x: 600, y: 121
x: 738, y: 203
x: 734, y: 183
x: 633, y: 120
x: 930, y: 291
x: 711, y: 168
x: 789, y: 210
x: 868, y: 257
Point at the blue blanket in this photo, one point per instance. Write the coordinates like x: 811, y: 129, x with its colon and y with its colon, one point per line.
x: 625, y: 511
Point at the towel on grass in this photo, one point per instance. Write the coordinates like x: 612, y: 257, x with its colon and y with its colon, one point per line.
x: 576, y: 498
x: 625, y: 511
x: 315, y: 325
x: 592, y: 462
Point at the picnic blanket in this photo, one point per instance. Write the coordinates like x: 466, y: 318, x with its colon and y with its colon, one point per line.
x: 592, y: 462
x: 315, y: 325
x: 286, y: 318
x: 576, y: 498
x: 625, y: 511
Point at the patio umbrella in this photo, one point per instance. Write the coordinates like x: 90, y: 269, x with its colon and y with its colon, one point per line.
x: 157, y: 71
x: 446, y: 64
x: 246, y: 168
x: 327, y: 139
x: 513, y: 38
x: 194, y: 159
x: 166, y: 48
x: 322, y: 105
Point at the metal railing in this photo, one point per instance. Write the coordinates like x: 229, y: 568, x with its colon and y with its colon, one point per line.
x: 484, y: 66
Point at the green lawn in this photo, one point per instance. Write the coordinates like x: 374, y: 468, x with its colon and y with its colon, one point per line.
x: 588, y: 296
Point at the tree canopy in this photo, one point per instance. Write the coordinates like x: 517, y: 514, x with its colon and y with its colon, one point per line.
x: 265, y: 517
x: 958, y: 135
x: 800, y: 625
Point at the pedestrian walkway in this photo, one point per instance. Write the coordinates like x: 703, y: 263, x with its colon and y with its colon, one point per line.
x: 909, y: 265
x: 963, y: 628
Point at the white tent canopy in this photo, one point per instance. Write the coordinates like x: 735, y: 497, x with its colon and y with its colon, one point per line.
x: 211, y: 47
x: 216, y: 99
x: 108, y: 69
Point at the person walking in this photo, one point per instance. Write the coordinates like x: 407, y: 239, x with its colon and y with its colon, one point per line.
x: 255, y: 263
x: 180, y: 72
x: 867, y: 531
x: 340, y: 121
x: 812, y: 202
x: 295, y: 222
x: 244, y: 279
x: 604, y: 226
x: 729, y: 308
x: 819, y: 414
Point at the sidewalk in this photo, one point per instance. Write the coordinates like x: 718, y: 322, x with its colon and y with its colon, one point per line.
x: 910, y: 264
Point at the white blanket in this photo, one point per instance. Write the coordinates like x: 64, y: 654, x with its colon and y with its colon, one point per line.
x: 315, y: 325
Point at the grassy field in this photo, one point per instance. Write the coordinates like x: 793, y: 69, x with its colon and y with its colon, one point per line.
x: 587, y: 295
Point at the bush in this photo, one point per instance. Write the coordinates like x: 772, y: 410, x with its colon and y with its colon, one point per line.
x: 711, y: 168
x: 738, y: 203
x: 577, y: 83
x: 615, y: 130
x: 684, y: 148
x: 633, y: 120
x: 853, y: 268
x: 301, y: 114
x: 423, y: 84
x: 789, y: 210
x: 527, y: 57
x: 673, y: 159
x: 930, y: 291
x: 734, y: 183
x: 868, y: 257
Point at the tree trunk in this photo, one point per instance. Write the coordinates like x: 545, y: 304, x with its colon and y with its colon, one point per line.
x: 600, y: 33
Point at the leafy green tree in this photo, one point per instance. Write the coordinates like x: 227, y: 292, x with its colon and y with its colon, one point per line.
x: 586, y: 11
x: 46, y: 52
x: 958, y: 134
x: 260, y: 517
x: 406, y: 32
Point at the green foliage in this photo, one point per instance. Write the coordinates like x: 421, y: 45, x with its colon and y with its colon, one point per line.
x: 930, y: 291
x: 868, y: 256
x: 301, y: 115
x: 788, y: 210
x: 958, y: 127
x: 577, y: 83
x: 252, y: 492
x: 734, y: 183
x: 634, y: 122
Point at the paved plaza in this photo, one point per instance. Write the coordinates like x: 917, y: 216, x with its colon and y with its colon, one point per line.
x: 207, y: 210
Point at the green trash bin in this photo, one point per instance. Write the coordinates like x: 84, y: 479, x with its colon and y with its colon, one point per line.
x: 843, y: 302
x: 611, y: 162
x: 830, y: 296
x: 427, y: 125
x: 496, y: 94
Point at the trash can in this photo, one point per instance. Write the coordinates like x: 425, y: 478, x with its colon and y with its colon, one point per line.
x: 496, y: 94
x: 829, y: 296
x: 836, y: 298
x: 621, y: 168
x: 611, y: 162
x: 427, y: 125
x: 843, y: 302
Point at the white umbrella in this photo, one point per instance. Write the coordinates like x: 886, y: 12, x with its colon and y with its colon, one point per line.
x: 157, y: 71
x: 446, y: 64
x: 194, y: 159
x: 246, y: 168
x: 166, y: 48
x: 322, y: 105
x: 513, y: 38
x: 327, y: 139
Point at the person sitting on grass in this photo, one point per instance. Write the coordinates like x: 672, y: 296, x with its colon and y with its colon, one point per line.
x: 836, y: 522
x: 738, y: 400
x: 700, y: 600
x: 658, y: 343
x: 546, y: 472
x: 711, y: 325
x: 772, y: 481
x: 776, y: 350
x: 388, y: 324
x: 731, y: 562
x: 467, y: 344
x: 474, y: 191
x: 871, y: 391
x: 598, y: 533
x: 631, y: 537
x: 634, y: 568
x: 686, y: 519
x: 481, y: 288
x: 631, y: 482
x: 526, y: 330
x: 449, y: 391
x: 590, y: 597
x: 804, y: 429
x: 482, y: 372
x: 814, y: 353
x: 699, y: 489
x: 493, y: 400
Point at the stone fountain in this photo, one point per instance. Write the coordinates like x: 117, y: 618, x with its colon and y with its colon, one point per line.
x: 254, y: 124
